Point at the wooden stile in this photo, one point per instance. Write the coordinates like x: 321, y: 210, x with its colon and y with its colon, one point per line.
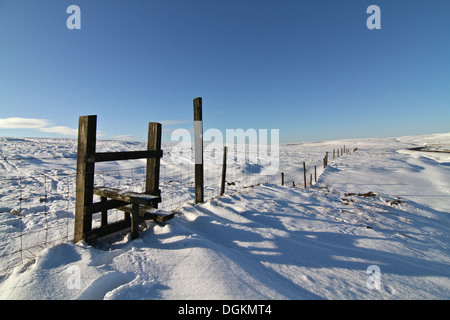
x: 85, y: 190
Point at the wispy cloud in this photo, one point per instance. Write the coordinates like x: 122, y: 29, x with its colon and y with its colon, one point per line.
x: 61, y: 130
x: 42, y: 125
x: 22, y: 123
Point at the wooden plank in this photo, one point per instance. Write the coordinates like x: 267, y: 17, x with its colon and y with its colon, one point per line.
x: 108, y: 229
x: 123, y: 155
x: 87, y: 131
x: 198, y: 140
x: 105, y: 205
x: 147, y: 213
x: 153, y: 164
x: 127, y: 196
x: 158, y: 217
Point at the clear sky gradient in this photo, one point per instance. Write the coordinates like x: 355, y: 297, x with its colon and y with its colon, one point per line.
x: 309, y: 68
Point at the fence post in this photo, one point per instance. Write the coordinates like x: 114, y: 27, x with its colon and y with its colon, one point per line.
x: 315, y: 173
x: 198, y: 146
x: 282, y: 178
x: 152, y: 171
x: 304, y: 173
x: 224, y: 171
x: 84, y: 193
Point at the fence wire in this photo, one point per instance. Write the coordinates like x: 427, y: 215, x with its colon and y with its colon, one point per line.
x: 38, y: 210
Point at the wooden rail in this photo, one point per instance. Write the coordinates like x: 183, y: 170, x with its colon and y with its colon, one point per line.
x: 137, y: 204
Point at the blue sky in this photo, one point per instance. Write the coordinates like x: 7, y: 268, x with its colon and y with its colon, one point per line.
x: 309, y: 68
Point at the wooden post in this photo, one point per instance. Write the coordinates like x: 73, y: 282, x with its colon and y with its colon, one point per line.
x: 310, y: 180
x: 135, y: 221
x: 104, y: 214
x: 198, y: 143
x: 315, y: 173
x: 282, y: 178
x: 87, y: 131
x: 304, y: 173
x: 333, y: 154
x: 224, y: 171
x: 152, y: 171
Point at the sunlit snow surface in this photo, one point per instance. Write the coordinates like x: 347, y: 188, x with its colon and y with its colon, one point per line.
x: 264, y: 242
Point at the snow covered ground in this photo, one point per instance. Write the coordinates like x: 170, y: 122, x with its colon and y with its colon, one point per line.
x: 376, y: 225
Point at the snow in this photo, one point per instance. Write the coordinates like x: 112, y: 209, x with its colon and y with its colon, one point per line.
x: 264, y: 242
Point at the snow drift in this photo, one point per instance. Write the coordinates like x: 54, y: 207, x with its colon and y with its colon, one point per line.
x: 380, y: 206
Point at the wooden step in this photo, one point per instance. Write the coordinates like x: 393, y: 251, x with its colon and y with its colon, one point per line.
x: 148, y: 213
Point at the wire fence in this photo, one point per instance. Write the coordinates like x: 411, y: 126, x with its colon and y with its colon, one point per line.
x: 37, y: 210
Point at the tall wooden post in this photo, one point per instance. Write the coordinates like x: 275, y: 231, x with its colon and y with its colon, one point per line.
x: 152, y: 173
x: 282, y: 178
x: 198, y: 146
x: 304, y: 173
x: 87, y: 131
x: 315, y: 173
x: 224, y: 171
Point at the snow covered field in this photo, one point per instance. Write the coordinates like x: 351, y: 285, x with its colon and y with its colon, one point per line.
x: 376, y: 225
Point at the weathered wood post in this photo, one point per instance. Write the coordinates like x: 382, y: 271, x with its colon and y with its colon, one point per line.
x: 152, y: 171
x: 315, y: 173
x: 224, y: 171
x: 282, y: 178
x: 87, y: 131
x: 304, y: 173
x: 198, y: 146
x: 104, y: 213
